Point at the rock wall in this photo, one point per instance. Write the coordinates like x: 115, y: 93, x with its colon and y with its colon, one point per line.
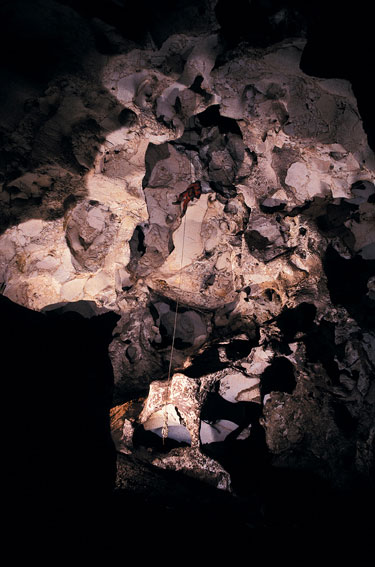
x: 265, y: 286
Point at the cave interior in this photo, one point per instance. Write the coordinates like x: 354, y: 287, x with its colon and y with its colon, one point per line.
x: 69, y: 486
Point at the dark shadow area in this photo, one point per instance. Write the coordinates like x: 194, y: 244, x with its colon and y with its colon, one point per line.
x: 292, y: 501
x: 185, y: 325
x: 150, y: 439
x: 321, y: 347
x: 278, y: 377
x: 211, y: 117
x: 216, y: 407
x: 83, y: 307
x: 339, y: 39
x: 154, y: 153
x: 260, y: 22
x: 205, y: 363
x: 347, y: 284
x: 57, y: 382
x: 331, y: 222
x: 245, y: 460
x: 240, y: 348
x: 340, y: 45
x: 49, y: 97
x: 344, y: 419
x: 268, y: 521
x: 136, y: 244
x: 135, y: 20
x: 297, y: 319
x: 131, y: 19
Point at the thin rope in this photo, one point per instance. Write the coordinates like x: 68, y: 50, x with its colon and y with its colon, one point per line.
x: 165, y: 424
x: 164, y: 432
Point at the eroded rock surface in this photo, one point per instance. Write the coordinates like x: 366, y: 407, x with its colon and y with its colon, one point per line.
x: 265, y: 286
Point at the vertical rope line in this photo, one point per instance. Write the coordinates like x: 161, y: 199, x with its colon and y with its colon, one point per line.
x: 165, y: 424
x: 164, y: 433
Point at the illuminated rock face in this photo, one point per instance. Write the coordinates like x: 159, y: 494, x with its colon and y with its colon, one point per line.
x: 271, y: 270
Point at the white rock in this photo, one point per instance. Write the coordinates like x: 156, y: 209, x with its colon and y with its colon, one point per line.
x: 157, y: 419
x: 49, y: 263
x: 187, y: 238
x: 73, y: 290
x: 237, y: 387
x: 32, y: 227
x: 224, y: 261
x: 216, y: 432
x: 98, y: 283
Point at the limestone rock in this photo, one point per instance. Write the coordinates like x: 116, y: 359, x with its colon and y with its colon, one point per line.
x: 90, y: 230
x: 193, y: 463
x: 181, y: 392
x: 123, y: 422
x: 270, y: 271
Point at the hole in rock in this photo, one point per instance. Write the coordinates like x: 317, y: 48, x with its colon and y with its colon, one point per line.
x: 270, y: 205
x: 217, y: 408
x: 347, y: 284
x: 321, y: 347
x: 154, y: 153
x: 188, y: 326
x: 196, y: 87
x: 300, y: 318
x: 240, y: 348
x: 127, y: 118
x: 212, y: 117
x: 335, y: 216
x: 83, y: 307
x: 278, y: 377
x: 205, y: 363
x: 136, y: 243
x: 256, y: 241
x: 272, y: 295
x: 178, y: 436
x: 344, y: 419
x: 245, y: 458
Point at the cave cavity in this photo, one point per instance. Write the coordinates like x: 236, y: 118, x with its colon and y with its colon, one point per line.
x: 184, y: 324
x: 296, y: 319
x: 196, y: 87
x: 137, y: 247
x: 219, y: 355
x: 127, y: 118
x: 240, y: 348
x: 332, y: 221
x: 321, y: 347
x: 259, y: 23
x: 205, y: 363
x: 347, y: 282
x: 279, y: 376
x: 245, y: 458
x: 217, y: 408
x: 84, y: 307
x: 344, y: 419
x: 211, y: 117
x: 178, y: 436
x: 154, y: 153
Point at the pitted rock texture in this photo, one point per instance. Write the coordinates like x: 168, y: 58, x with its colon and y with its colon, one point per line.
x: 266, y: 283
